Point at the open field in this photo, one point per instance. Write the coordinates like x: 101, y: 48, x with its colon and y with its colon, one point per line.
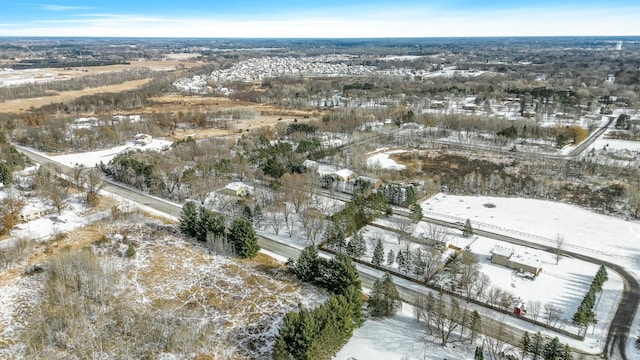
x: 63, y: 96
x: 21, y: 77
x: 171, y: 290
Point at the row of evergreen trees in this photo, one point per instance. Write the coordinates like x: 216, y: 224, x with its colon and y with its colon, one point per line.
x: 320, y: 333
x: 206, y: 225
x: 585, y: 314
x: 537, y: 348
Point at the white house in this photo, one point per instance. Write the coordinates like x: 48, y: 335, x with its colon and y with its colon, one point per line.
x: 143, y: 139
x: 237, y: 189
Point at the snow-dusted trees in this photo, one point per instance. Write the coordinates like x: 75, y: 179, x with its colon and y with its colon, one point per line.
x: 206, y: 225
x: 51, y: 187
x: 378, y: 253
x: 307, y: 267
x: 585, y: 315
x: 321, y: 332
x: 335, y: 275
x: 442, y: 315
x: 189, y: 219
x: 357, y: 246
x: 384, y: 300
x: 467, y: 230
x: 243, y: 238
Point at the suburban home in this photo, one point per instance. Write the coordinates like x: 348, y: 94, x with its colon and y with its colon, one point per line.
x: 344, y: 174
x: 438, y: 243
x: 520, y: 262
x: 237, y: 189
x: 437, y: 104
x: 143, y: 139
x: 31, y: 213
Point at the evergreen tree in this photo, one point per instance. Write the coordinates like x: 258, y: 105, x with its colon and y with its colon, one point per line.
x: 384, y: 300
x: 553, y: 349
x: 479, y: 354
x: 391, y: 257
x: 335, y: 237
x: 354, y: 297
x: 525, y: 344
x: 356, y: 247
x: 400, y: 260
x: 243, y: 238
x: 410, y: 196
x: 209, y: 223
x: 338, y: 274
x: 537, y: 346
x: 418, y: 262
x: 189, y: 219
x: 378, y: 253
x: 416, y: 213
x: 566, y: 353
x: 467, y: 230
x: 307, y: 267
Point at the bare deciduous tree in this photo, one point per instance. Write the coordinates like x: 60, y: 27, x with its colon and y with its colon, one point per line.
x: 558, y: 250
x: 533, y: 309
x: 553, y: 313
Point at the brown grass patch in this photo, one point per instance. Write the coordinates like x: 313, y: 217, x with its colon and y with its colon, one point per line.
x: 66, y: 96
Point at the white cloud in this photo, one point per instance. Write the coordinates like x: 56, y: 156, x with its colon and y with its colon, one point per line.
x: 51, y: 7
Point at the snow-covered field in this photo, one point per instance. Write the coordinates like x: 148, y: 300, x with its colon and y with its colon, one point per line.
x: 90, y: 159
x: 380, y: 159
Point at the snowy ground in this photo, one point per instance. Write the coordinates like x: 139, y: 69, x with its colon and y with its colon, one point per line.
x: 90, y: 159
x: 380, y: 159
x: 399, y: 337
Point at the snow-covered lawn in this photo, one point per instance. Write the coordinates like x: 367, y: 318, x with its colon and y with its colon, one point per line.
x: 92, y: 158
x: 399, y: 337
x: 382, y: 160
x: 541, y: 221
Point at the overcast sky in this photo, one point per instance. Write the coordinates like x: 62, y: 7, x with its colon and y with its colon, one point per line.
x: 318, y: 19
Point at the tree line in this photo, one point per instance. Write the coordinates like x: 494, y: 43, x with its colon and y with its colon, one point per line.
x: 238, y: 237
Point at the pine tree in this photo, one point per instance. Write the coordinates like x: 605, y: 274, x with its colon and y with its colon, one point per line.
x: 208, y: 223
x: 525, y: 344
x: 410, y: 196
x: 189, y: 219
x: 243, y: 238
x: 416, y: 213
x: 378, y: 253
x: 400, y: 260
x: 356, y: 247
x: 307, y: 266
x: 552, y: 349
x: 417, y: 262
x: 467, y: 230
x: 338, y: 274
x: 384, y: 300
x: 391, y: 257
x: 537, y: 346
x: 354, y: 297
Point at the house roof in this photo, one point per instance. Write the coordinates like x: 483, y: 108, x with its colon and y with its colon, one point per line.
x: 502, y: 251
x: 526, y: 259
x: 345, y: 173
x: 235, y: 186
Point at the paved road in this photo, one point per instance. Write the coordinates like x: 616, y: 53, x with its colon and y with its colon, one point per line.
x: 618, y: 330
